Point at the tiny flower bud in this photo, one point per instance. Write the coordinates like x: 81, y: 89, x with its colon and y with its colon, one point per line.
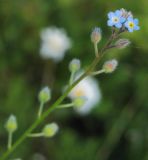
x: 110, y: 66
x: 74, y: 65
x: 125, y: 13
x: 122, y: 43
x: 44, y: 95
x: 96, y: 35
x: 50, y: 130
x: 79, y: 101
x: 11, y: 124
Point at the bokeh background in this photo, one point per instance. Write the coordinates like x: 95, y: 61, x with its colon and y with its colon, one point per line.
x: 117, y: 129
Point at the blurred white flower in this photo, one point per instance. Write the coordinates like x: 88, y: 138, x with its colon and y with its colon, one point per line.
x: 38, y: 156
x: 88, y: 88
x: 54, y: 44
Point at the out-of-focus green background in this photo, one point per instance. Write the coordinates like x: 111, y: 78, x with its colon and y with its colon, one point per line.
x: 117, y: 129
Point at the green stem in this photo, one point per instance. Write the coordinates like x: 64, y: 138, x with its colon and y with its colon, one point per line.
x: 40, y: 109
x: 51, y: 108
x: 97, y: 72
x: 96, y: 49
x: 71, y: 78
x: 65, y: 105
x: 35, y: 135
x: 9, y: 140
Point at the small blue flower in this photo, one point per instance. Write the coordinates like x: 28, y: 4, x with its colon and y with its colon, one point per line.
x: 115, y: 19
x: 132, y: 24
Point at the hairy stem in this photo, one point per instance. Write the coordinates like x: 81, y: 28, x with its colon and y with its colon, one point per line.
x: 35, y: 135
x: 65, y: 105
x: 98, y: 72
x: 96, y: 50
x: 57, y: 103
x: 40, y: 109
x: 71, y: 78
x: 9, y: 140
x: 49, y: 110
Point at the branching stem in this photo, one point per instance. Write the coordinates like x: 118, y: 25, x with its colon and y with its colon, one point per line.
x: 58, y: 101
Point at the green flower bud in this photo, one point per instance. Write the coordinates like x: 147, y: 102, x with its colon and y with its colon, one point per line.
x: 110, y: 66
x: 96, y: 35
x: 79, y: 101
x: 74, y: 65
x: 50, y: 130
x: 45, y: 95
x: 11, y: 124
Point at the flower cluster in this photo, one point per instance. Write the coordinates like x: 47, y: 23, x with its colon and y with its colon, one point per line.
x: 83, y: 89
x: 123, y: 19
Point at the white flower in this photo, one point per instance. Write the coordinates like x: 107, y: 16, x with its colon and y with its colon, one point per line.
x: 54, y: 43
x: 88, y: 88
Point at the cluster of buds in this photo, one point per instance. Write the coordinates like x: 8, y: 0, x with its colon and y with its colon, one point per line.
x: 120, y: 19
x: 126, y: 14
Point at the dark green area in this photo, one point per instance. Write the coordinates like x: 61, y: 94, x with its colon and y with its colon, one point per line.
x: 117, y: 129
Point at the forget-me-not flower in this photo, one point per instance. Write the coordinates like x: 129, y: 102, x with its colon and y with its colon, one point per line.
x: 115, y: 19
x: 132, y: 24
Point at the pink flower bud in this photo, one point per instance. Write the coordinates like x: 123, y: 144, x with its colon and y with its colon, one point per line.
x: 110, y: 66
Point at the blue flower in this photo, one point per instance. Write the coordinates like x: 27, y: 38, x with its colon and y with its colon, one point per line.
x: 115, y: 19
x: 132, y: 24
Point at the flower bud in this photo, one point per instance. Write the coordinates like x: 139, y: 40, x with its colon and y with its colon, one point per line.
x: 50, y: 130
x: 125, y: 13
x: 11, y: 124
x: 96, y: 35
x: 74, y: 65
x: 79, y: 101
x: 110, y: 66
x: 122, y: 43
x: 45, y: 95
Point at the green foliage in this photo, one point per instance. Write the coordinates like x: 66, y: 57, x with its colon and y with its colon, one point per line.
x: 23, y: 73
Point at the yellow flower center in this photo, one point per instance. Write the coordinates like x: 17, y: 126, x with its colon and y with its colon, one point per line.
x: 79, y: 93
x: 116, y: 19
x: 131, y: 24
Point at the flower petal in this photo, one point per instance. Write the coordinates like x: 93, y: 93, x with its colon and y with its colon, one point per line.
x: 122, y: 20
x: 118, y: 13
x: 136, y: 28
x: 130, y: 30
x: 130, y: 19
x: 110, y: 15
x: 110, y: 23
x: 136, y: 21
x: 118, y: 25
